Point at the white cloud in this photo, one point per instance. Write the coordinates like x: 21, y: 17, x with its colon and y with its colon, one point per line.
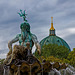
x: 66, y: 32
x: 71, y: 30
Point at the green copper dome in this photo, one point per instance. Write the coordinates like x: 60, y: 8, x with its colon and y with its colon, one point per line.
x: 53, y: 39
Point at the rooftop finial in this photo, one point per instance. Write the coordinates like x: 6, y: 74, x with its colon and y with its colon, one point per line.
x: 51, y: 19
x: 52, y: 28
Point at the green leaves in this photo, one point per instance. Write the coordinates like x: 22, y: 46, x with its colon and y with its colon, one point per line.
x: 55, y: 53
x: 1, y: 61
x: 71, y: 57
x: 54, y: 50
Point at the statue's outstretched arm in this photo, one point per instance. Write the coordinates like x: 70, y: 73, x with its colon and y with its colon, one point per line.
x: 11, y: 42
x: 38, y: 47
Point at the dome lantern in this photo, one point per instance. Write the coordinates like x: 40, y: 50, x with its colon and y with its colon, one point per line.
x: 52, y: 30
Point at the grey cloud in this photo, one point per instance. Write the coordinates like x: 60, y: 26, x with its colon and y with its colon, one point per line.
x: 62, y: 13
x: 39, y: 13
x: 71, y: 40
x: 4, y: 51
x: 2, y: 55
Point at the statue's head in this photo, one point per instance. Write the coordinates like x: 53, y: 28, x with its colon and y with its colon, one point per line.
x: 25, y: 27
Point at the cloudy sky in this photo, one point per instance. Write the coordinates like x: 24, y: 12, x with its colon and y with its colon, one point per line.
x: 39, y: 17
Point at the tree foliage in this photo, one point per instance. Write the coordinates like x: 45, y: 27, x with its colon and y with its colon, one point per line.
x: 54, y: 50
x: 50, y: 59
x: 55, y: 53
x: 1, y: 61
x: 71, y: 57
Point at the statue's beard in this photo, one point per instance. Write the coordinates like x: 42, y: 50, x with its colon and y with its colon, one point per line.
x: 23, y: 35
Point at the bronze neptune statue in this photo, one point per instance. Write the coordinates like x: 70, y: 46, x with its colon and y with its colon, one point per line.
x: 22, y: 53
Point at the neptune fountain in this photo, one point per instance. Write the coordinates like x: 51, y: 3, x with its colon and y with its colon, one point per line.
x: 21, y: 55
x: 21, y: 61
